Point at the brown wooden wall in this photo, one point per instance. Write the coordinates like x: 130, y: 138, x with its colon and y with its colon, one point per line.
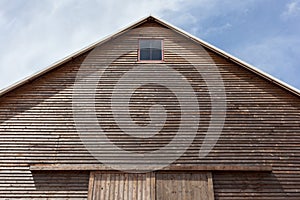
x: 18, y: 182
x: 262, y: 126
x: 192, y: 186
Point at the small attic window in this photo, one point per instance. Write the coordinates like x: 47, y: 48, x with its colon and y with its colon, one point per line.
x: 150, y: 49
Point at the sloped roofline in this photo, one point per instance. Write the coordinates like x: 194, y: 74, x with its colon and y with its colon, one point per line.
x: 233, y: 58
x: 170, y: 26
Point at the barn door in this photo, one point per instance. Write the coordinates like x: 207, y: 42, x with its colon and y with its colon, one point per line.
x: 150, y: 186
x: 189, y: 186
x: 121, y: 186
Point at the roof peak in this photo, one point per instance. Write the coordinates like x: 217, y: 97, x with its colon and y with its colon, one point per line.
x: 172, y: 27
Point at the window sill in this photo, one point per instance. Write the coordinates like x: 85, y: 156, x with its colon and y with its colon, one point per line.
x: 150, y: 61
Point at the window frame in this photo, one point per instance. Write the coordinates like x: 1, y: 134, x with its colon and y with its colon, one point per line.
x: 151, y: 61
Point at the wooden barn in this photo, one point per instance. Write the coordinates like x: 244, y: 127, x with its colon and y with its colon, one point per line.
x: 150, y: 112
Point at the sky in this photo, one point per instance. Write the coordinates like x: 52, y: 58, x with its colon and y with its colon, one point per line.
x: 34, y: 33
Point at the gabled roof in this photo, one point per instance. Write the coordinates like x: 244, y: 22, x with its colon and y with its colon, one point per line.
x: 166, y: 24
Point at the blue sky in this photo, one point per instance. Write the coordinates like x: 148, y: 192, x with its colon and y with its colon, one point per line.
x: 34, y: 33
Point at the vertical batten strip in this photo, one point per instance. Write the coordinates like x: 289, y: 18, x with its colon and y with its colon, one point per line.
x: 91, y: 185
x: 210, y: 186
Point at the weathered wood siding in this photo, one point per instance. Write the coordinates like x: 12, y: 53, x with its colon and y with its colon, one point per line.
x: 250, y: 185
x: 17, y: 182
x: 262, y: 124
x: 192, y: 186
x: 151, y: 186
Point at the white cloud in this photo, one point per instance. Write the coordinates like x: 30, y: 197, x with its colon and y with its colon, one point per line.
x: 292, y: 9
x: 34, y: 34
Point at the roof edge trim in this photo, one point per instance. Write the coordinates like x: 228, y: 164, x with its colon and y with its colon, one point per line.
x: 70, y: 57
x: 232, y: 58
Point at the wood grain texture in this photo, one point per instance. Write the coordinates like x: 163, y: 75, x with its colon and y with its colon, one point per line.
x: 123, y: 186
x: 210, y: 187
x: 151, y: 186
x: 191, y: 186
x: 254, y: 186
x: 262, y: 124
x: 91, y: 185
x: 20, y: 183
x: 249, y: 168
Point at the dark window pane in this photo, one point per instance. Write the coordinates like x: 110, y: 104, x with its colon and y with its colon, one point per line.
x: 145, y: 54
x: 150, y: 50
x: 156, y: 54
